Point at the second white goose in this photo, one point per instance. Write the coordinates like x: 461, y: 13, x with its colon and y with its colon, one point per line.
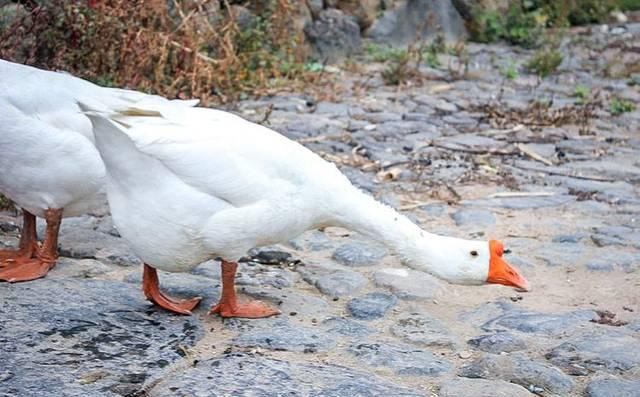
x: 204, y: 183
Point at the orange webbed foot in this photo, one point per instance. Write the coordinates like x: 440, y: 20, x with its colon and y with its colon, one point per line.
x: 253, y: 309
x: 23, y: 269
x: 151, y: 289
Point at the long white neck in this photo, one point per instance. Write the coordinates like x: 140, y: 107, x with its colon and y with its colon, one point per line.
x: 441, y: 256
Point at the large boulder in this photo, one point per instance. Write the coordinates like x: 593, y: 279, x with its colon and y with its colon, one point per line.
x: 413, y: 20
x: 334, y: 35
x: 466, y: 8
x: 365, y: 11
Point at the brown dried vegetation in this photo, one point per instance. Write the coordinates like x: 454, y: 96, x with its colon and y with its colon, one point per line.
x: 193, y: 48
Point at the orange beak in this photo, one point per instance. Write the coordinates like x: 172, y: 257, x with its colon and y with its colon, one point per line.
x: 500, y: 272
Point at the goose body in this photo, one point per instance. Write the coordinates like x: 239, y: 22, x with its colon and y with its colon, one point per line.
x: 198, y: 183
x: 48, y: 160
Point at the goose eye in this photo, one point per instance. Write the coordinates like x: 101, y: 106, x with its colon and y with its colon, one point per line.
x: 474, y: 253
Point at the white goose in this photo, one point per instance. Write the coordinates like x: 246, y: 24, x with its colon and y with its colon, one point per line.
x: 202, y: 183
x: 48, y: 162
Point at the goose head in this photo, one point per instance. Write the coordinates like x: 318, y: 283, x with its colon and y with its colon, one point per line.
x: 461, y: 261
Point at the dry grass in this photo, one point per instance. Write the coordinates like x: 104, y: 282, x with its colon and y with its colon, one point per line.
x: 191, y: 49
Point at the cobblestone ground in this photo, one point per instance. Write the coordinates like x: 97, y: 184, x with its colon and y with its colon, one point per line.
x: 481, y: 156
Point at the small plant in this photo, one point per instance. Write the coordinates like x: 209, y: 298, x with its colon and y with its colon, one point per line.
x: 487, y: 27
x: 510, y: 71
x: 581, y: 94
x: 545, y: 62
x: 398, y: 71
x: 383, y: 53
x: 523, y: 28
x: 618, y: 106
x: 431, y: 59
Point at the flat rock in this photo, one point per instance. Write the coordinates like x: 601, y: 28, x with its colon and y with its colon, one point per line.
x: 422, y: 329
x: 371, y: 306
x: 79, y: 268
x: 346, y: 327
x: 402, y: 359
x: 613, y: 387
x: 520, y: 369
x: 501, y: 342
x: 250, y: 375
x: 282, y: 335
x: 616, y: 235
x: 289, y: 301
x: 465, y: 387
x: 611, y: 351
x: 359, y: 254
x: 517, y: 203
x: 408, y: 284
x: 250, y: 273
x: 542, y: 323
x: 475, y: 217
x: 562, y: 254
x: 610, y: 258
x: 340, y: 283
x: 80, y: 239
x: 102, y: 338
x: 313, y: 240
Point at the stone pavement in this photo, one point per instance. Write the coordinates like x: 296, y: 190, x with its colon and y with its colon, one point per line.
x: 477, y: 157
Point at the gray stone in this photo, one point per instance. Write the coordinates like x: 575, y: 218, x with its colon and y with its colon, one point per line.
x: 601, y: 351
x: 408, y: 284
x: 250, y: 375
x: 520, y: 369
x: 289, y: 301
x: 250, y: 273
x: 422, y: 329
x: 613, y: 388
x: 522, y: 202
x: 562, y: 254
x: 89, y: 338
x: 568, y: 238
x: 359, y: 254
x: 346, y: 327
x: 314, y: 241
x: 542, y: 323
x: 498, y: 343
x: 616, y: 235
x: 485, y: 312
x: 371, y: 306
x: 599, y: 266
x: 80, y: 238
x: 468, y: 8
x: 607, y: 259
x: 333, y: 35
x: 341, y: 283
x: 464, y: 387
x: 435, y: 209
x: 402, y: 359
x: 315, y: 6
x: 79, y: 268
x: 284, y: 336
x: 476, y: 217
x: 338, y: 109
x: 405, y: 23
x: 270, y: 256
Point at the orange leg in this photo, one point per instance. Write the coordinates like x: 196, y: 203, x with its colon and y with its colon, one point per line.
x: 228, y: 305
x: 151, y: 289
x: 28, y: 243
x: 45, y: 257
